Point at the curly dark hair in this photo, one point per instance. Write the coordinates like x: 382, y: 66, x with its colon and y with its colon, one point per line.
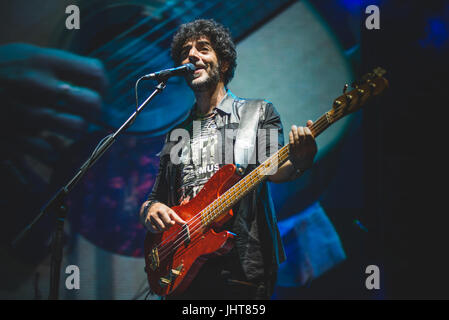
x: 220, y: 38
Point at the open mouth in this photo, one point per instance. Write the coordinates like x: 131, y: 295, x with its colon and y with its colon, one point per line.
x: 200, y: 67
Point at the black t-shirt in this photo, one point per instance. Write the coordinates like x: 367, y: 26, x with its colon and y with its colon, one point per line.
x: 194, y: 174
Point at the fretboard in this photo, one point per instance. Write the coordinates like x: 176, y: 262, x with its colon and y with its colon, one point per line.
x: 223, y: 203
x: 372, y: 84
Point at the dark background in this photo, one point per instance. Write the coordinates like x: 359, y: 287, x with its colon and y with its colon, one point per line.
x: 405, y: 184
x: 405, y: 140
x: 404, y: 172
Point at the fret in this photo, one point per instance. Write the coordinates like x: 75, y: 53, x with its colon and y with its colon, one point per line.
x: 240, y: 189
x: 245, y: 185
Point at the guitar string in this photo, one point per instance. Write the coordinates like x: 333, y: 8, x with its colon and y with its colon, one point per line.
x: 213, y: 208
x: 228, y: 9
x: 185, y: 9
x: 254, y: 174
x: 163, y: 53
x: 102, y: 49
x: 196, y: 217
x: 199, y: 215
x: 154, y: 43
x: 197, y: 227
x: 150, y: 31
x: 318, y: 129
x: 228, y: 200
x: 226, y: 197
x: 320, y: 125
x: 222, y: 12
x: 259, y: 174
x: 195, y: 233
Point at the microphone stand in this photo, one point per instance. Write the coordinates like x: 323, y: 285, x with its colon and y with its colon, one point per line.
x: 57, y: 203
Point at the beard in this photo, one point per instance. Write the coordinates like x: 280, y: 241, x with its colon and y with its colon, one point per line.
x: 211, y: 80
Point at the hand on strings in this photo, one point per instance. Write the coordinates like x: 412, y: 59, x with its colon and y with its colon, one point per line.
x: 160, y: 218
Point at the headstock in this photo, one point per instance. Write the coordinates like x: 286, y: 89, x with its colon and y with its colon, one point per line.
x: 371, y: 84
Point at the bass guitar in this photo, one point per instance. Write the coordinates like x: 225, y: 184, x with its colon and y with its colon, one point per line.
x: 174, y: 257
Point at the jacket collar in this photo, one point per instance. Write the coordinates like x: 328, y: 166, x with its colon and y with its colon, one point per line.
x: 225, y: 104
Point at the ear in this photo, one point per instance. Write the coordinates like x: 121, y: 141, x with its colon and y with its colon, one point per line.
x: 224, y: 66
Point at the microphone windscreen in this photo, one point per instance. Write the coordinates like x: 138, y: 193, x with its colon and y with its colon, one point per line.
x: 190, y: 66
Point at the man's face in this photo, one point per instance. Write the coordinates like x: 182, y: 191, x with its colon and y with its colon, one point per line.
x: 200, y: 53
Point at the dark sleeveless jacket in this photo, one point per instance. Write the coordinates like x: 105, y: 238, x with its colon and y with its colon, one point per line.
x: 258, y: 241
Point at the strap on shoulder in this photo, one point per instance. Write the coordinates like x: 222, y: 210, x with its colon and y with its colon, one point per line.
x: 244, y: 148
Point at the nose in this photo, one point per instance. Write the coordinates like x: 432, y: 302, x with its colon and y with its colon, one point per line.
x: 193, y: 55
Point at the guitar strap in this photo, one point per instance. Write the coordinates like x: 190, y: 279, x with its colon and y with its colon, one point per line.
x: 245, y: 142
x: 247, y: 113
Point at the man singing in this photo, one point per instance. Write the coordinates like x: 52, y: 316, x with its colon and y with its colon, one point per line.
x: 249, y: 270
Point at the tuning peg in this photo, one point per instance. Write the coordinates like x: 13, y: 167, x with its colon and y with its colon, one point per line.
x: 348, y: 97
x: 336, y: 104
x: 379, y: 71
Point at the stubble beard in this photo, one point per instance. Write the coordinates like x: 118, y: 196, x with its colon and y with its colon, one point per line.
x: 211, y: 81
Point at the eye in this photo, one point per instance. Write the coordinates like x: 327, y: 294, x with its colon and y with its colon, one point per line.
x: 184, y: 52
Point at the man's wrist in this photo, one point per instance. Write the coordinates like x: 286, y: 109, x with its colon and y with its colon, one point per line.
x: 148, y: 205
x: 146, y: 208
x: 297, y: 167
x: 296, y: 171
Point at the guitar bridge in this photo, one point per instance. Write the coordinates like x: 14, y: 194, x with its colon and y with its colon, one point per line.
x: 171, y: 276
x: 154, y: 259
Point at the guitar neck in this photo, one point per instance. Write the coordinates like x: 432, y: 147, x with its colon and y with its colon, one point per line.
x: 372, y: 84
x: 259, y: 174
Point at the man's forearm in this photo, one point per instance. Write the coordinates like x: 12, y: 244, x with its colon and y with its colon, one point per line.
x: 144, y: 208
x: 286, y: 172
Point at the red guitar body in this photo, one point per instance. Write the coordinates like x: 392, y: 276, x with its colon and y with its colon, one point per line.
x: 171, y: 262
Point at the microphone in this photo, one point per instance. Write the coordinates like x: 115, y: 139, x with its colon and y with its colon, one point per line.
x: 167, y: 73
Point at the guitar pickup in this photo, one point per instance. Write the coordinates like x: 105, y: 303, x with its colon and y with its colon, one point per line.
x: 187, y: 234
